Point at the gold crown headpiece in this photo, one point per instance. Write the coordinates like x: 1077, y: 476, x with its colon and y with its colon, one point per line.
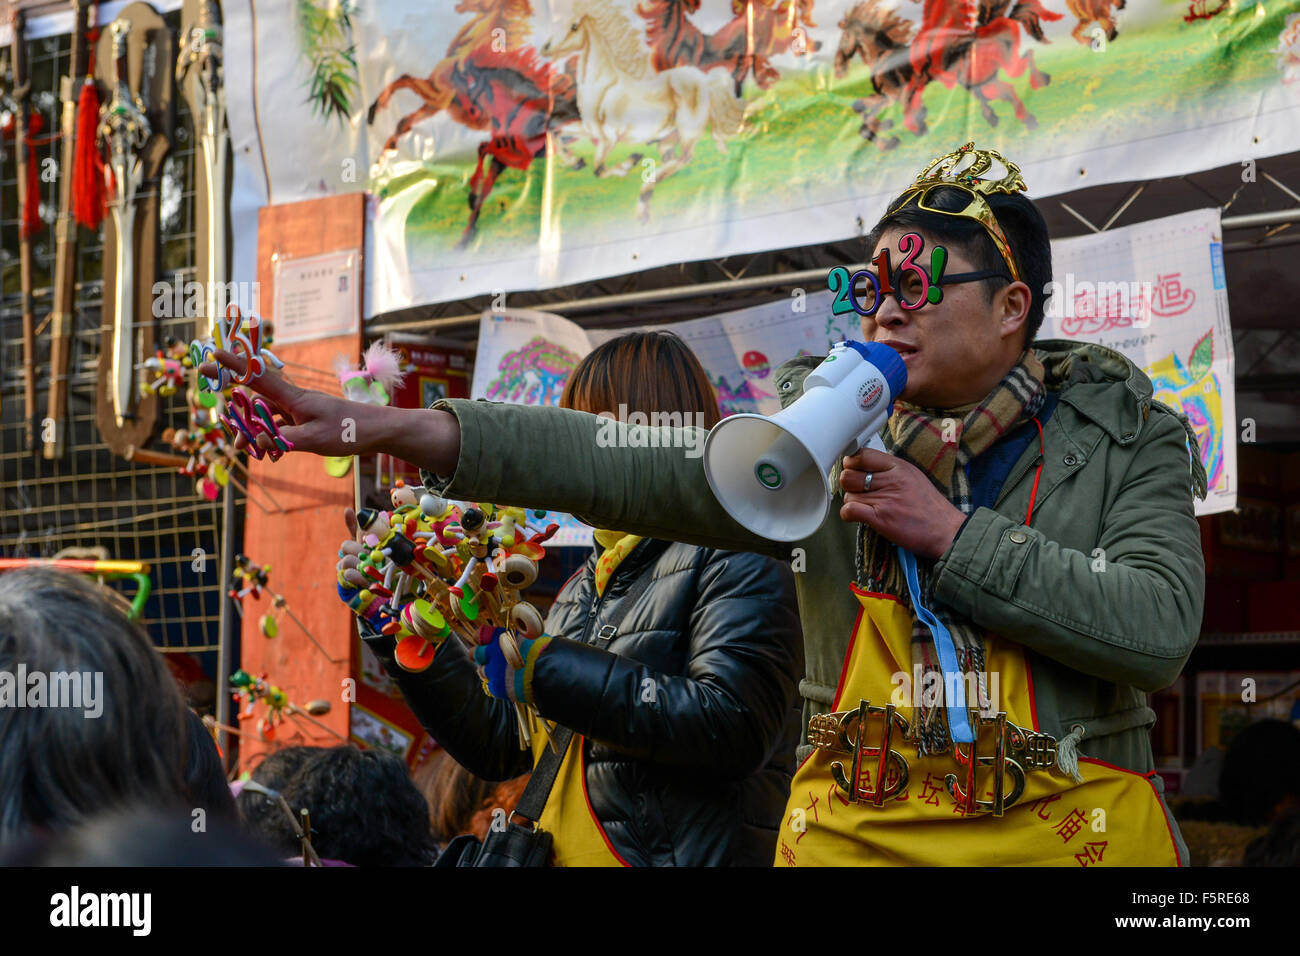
x: 968, y: 168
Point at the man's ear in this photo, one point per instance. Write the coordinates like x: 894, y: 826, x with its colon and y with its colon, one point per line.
x: 1013, y: 309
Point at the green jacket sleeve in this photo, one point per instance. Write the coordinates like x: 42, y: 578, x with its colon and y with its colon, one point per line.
x: 563, y: 460
x: 1136, y: 621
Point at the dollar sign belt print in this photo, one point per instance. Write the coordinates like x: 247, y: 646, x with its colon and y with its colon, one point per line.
x: 865, y: 797
x: 1014, y: 750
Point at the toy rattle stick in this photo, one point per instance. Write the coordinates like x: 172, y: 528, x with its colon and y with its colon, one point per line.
x: 244, y: 488
x: 235, y: 481
x: 283, y: 605
x: 233, y: 460
x: 515, y: 660
x: 293, y: 710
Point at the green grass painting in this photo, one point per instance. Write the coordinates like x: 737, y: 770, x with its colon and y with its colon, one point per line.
x: 800, y: 142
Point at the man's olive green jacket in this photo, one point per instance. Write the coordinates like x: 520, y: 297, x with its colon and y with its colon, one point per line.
x: 1115, y: 494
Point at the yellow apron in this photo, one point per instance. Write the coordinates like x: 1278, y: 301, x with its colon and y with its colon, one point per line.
x: 1113, y: 818
x: 578, y: 838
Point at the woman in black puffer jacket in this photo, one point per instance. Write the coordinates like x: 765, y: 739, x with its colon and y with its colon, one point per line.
x: 689, y: 715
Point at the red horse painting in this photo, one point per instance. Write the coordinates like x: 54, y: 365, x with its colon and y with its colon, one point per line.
x: 521, y: 100
x: 493, y: 24
x: 758, y: 30
x: 967, y: 43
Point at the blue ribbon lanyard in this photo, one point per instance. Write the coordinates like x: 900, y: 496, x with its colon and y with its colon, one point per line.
x: 953, y: 682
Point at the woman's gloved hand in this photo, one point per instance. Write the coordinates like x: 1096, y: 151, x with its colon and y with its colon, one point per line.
x: 506, y: 666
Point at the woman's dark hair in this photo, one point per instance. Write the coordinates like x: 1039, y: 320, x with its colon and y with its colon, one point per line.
x: 1021, y: 222
x: 263, y: 817
x: 60, y: 765
x: 364, y: 809
x: 648, y: 372
x: 205, y: 777
x: 1261, y: 770
x: 142, y: 838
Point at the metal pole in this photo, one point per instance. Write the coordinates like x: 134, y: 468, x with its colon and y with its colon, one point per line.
x: 225, y: 619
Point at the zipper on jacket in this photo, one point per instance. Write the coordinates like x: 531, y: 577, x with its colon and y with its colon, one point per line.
x: 595, y: 607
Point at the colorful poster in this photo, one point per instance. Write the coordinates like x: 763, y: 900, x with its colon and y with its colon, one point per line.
x: 525, y: 357
x: 514, y: 145
x: 1156, y: 292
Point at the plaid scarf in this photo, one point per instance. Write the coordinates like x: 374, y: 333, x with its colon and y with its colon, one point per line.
x: 941, y: 442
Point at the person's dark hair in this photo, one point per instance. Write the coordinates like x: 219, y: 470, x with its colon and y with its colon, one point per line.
x: 1261, y: 771
x: 1021, y: 222
x: 205, y: 777
x: 60, y: 765
x: 364, y: 809
x: 263, y: 817
x: 453, y: 795
x: 1280, y: 846
x: 142, y: 837
x: 646, y: 371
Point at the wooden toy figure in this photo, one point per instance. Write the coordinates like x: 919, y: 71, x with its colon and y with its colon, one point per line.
x: 251, y: 578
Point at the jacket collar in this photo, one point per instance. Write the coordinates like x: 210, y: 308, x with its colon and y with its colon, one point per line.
x: 1083, y: 373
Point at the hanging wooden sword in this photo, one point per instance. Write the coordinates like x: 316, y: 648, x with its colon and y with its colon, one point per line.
x: 133, y: 61
x: 124, y: 129
x: 200, y: 76
x: 65, y: 251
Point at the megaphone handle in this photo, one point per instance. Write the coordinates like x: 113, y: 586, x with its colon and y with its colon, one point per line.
x: 875, y: 443
x: 953, y: 681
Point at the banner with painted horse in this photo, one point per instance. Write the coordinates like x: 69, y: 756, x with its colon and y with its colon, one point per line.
x: 515, y: 144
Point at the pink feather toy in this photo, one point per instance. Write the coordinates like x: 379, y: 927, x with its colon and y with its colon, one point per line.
x: 380, y: 373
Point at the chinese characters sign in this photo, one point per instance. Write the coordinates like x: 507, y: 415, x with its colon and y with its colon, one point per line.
x: 1156, y: 293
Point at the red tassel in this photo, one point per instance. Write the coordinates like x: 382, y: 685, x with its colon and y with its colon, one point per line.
x: 88, y: 189
x: 32, y: 222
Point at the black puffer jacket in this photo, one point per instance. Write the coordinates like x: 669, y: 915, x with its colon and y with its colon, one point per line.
x: 694, y: 773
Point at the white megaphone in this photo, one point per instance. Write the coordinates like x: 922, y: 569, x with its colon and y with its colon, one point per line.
x: 772, y: 474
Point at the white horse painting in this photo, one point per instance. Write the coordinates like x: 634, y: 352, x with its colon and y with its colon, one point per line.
x: 621, y: 99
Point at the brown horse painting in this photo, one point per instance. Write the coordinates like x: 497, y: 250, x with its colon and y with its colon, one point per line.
x: 758, y: 29
x: 497, y: 26
x: 881, y: 39
x: 1095, y: 13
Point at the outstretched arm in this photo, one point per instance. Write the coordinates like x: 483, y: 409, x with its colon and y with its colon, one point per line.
x: 642, y: 480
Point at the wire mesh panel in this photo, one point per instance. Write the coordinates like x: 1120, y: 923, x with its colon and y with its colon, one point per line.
x: 91, y: 498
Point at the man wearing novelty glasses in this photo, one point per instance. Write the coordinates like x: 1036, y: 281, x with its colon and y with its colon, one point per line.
x: 1048, y: 501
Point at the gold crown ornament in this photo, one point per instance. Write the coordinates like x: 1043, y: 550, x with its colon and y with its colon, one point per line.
x: 969, y: 167
x: 978, y: 172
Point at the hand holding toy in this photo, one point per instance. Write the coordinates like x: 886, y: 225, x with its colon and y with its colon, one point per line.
x: 306, y: 420
x: 429, y: 570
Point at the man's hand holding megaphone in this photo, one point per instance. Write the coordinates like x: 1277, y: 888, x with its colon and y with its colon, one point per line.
x: 897, y: 500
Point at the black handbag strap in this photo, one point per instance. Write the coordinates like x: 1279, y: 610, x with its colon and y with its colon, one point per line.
x: 542, y: 781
